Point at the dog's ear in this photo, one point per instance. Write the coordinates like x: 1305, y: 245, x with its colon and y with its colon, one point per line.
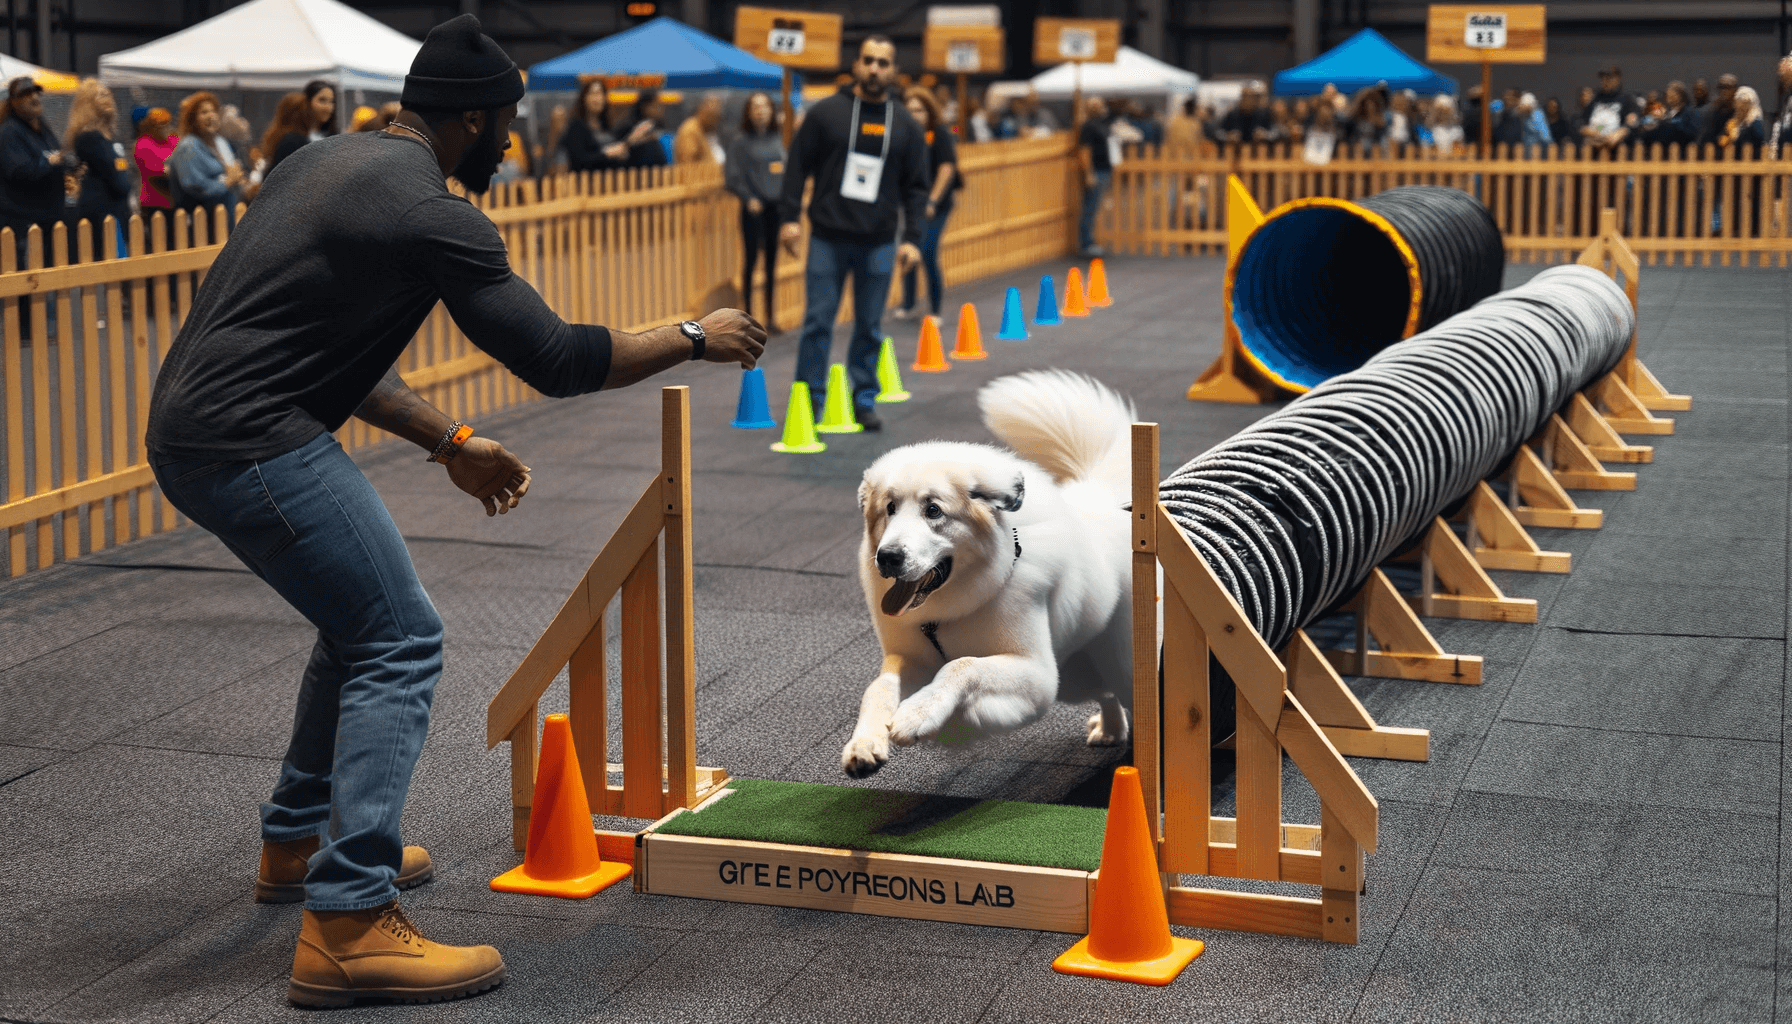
x: 864, y: 494
x: 1007, y: 497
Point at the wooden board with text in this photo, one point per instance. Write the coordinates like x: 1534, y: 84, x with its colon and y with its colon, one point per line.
x: 793, y: 39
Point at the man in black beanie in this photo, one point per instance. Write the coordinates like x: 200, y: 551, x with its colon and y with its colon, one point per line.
x: 352, y: 241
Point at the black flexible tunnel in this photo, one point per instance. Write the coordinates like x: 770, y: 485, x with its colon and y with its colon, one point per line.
x: 1323, y: 284
x: 1294, y: 512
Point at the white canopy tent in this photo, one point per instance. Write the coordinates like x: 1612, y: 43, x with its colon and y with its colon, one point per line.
x: 273, y: 45
x: 1131, y: 74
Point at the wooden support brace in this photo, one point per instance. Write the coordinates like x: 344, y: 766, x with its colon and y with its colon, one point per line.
x: 1500, y: 541
x: 1649, y: 391
x: 1606, y: 444
x: 1539, y: 500
x: 1573, y: 463
x: 1467, y: 592
x: 1407, y: 650
x: 1624, y: 411
x: 1343, y: 719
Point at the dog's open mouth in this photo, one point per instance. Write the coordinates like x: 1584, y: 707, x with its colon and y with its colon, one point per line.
x: 906, y: 595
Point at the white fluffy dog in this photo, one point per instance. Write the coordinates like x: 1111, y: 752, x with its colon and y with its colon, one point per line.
x: 999, y: 580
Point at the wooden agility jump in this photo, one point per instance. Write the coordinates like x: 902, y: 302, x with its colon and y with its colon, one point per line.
x: 659, y: 741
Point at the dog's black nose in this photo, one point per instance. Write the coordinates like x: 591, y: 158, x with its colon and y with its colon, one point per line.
x: 889, y: 563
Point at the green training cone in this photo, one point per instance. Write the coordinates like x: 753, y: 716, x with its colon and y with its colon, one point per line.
x: 836, y: 413
x: 889, y: 376
x: 799, y: 424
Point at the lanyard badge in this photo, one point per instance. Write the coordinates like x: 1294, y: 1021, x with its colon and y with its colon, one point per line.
x: 864, y: 174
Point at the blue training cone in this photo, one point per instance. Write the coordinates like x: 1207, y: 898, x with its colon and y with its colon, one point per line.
x: 754, y: 410
x: 1047, y: 312
x: 1014, y: 322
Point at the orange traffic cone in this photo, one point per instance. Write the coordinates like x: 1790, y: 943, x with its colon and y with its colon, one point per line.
x: 562, y: 857
x: 970, y: 335
x: 1075, y: 302
x: 931, y: 356
x: 1129, y: 928
x: 1098, y: 284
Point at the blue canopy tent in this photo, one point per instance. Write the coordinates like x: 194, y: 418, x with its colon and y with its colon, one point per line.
x: 1363, y: 60
x: 689, y: 59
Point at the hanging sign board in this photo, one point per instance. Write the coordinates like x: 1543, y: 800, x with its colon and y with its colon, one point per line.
x: 1477, y: 33
x: 1056, y: 40
x: 972, y: 49
x: 794, y: 39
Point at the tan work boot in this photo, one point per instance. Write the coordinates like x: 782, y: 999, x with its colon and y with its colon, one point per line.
x: 378, y: 954
x: 283, y: 866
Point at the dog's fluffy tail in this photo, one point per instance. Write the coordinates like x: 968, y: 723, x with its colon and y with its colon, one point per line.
x: 1076, y: 427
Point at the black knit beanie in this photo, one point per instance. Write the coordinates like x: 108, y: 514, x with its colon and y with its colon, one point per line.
x: 461, y: 68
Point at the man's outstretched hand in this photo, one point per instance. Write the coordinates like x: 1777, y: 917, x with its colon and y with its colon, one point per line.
x: 732, y: 336
x: 488, y: 472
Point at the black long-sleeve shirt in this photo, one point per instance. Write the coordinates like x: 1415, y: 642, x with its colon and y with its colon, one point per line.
x: 321, y: 286
x: 819, y: 150
x: 106, y: 187
x: 585, y: 148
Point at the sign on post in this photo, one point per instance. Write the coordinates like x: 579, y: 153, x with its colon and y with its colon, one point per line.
x: 1485, y: 34
x: 1491, y: 33
x: 1082, y: 40
x: 795, y: 39
x: 965, y: 49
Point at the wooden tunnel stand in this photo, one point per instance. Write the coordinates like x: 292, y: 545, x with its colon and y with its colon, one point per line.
x: 1232, y: 377
x: 658, y: 768
x: 1172, y: 746
x: 1631, y: 390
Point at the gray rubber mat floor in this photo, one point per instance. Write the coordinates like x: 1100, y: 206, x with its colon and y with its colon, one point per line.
x: 1598, y: 836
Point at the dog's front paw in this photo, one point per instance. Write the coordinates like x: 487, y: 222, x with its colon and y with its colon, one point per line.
x: 919, y: 718
x: 1102, y: 734
x: 864, y: 755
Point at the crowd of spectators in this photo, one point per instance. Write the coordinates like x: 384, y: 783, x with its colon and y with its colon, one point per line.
x: 1729, y: 117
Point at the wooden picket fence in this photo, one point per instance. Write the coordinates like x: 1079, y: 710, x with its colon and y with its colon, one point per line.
x: 631, y: 249
x: 1691, y: 209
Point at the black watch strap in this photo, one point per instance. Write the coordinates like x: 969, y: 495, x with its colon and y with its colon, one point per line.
x: 694, y: 331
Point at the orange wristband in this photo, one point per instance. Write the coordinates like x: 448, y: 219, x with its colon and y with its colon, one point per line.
x: 451, y: 444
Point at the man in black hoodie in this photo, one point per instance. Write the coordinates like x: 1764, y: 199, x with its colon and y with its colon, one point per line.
x: 869, y: 160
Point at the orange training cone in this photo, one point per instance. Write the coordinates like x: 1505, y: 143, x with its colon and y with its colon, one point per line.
x: 931, y: 356
x: 1098, y: 284
x: 970, y: 335
x: 1075, y: 302
x: 562, y: 858
x: 1129, y: 929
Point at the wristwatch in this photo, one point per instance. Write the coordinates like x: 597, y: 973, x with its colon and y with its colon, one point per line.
x: 694, y: 331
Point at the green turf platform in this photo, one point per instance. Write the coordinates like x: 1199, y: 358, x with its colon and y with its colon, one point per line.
x: 845, y: 818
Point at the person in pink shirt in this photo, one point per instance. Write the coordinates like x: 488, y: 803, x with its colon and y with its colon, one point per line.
x: 152, y: 149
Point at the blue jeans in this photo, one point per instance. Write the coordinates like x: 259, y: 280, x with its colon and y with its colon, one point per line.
x: 1085, y: 228
x: 870, y: 265
x: 930, y: 262
x: 311, y: 526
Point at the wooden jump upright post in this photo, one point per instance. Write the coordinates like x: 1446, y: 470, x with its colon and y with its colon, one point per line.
x: 659, y: 767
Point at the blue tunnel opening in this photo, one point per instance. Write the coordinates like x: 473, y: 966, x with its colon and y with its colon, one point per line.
x: 1317, y: 291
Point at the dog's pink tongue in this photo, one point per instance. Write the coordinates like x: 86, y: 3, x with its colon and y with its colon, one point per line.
x: 896, y: 599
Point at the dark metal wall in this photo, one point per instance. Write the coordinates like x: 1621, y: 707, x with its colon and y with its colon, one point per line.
x: 1653, y: 39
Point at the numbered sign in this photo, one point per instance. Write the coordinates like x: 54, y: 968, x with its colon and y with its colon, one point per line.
x: 785, y: 40
x: 1486, y: 30
x: 1076, y: 44
x: 966, y: 49
x: 795, y: 39
x: 1496, y: 34
x: 1056, y: 40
